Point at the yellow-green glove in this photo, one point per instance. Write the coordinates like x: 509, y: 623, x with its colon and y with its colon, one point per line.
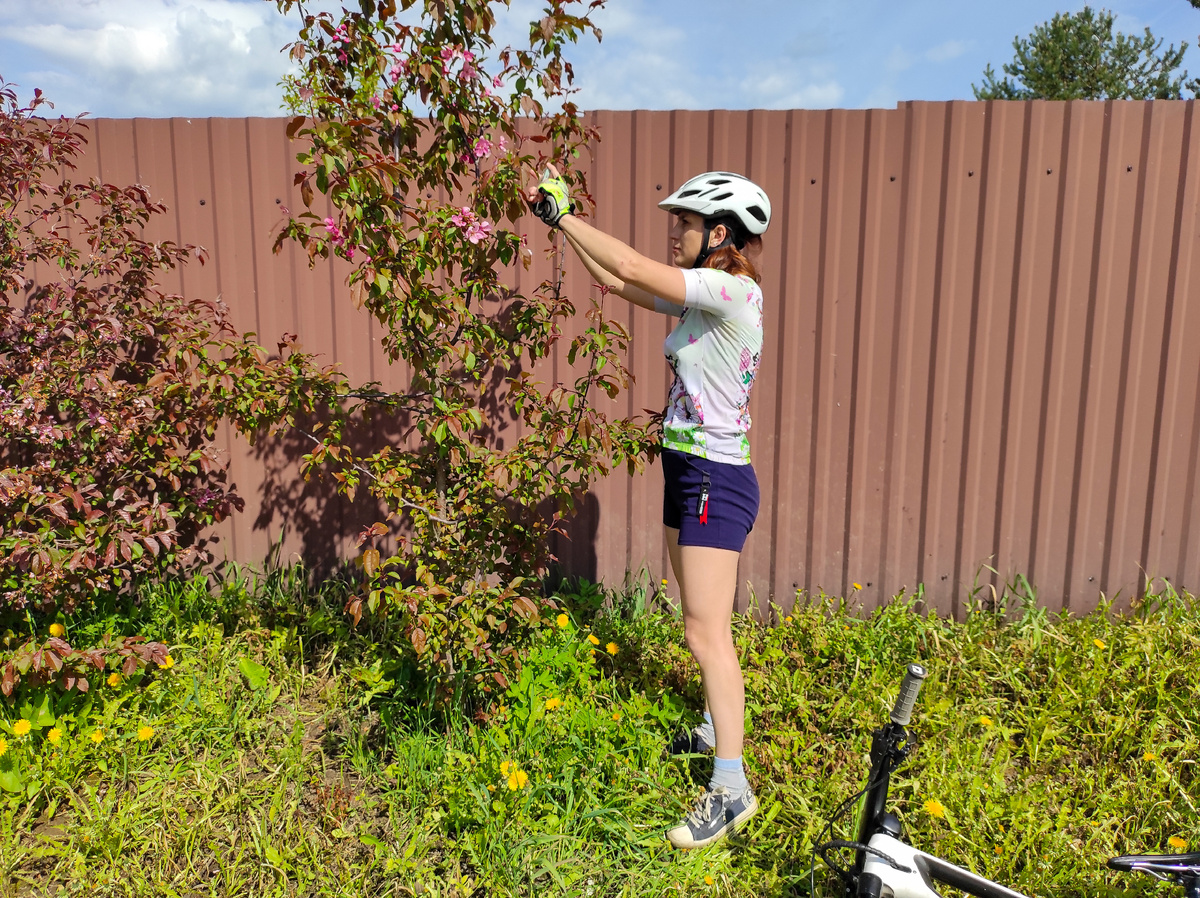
x: 555, y: 201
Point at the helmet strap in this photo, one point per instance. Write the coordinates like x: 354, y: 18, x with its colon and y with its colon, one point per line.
x: 705, y: 249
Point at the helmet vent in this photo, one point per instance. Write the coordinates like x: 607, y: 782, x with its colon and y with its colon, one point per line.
x: 757, y: 212
x: 721, y: 196
x: 684, y: 193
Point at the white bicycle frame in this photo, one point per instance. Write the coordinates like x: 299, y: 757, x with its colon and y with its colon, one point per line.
x: 910, y: 873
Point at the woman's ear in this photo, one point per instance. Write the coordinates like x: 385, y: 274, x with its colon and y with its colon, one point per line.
x: 717, y: 236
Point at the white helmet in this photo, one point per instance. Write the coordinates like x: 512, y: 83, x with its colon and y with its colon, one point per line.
x: 716, y: 194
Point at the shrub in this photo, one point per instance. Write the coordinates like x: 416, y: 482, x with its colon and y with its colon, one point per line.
x: 111, y: 392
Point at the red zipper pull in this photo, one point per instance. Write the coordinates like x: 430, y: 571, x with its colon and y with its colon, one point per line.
x: 704, y: 505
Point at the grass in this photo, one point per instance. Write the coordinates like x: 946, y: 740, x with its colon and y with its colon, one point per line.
x: 282, y: 763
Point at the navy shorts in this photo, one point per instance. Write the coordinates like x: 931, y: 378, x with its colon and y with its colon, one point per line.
x: 710, y: 503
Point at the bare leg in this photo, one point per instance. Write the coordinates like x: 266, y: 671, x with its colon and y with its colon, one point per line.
x: 707, y: 583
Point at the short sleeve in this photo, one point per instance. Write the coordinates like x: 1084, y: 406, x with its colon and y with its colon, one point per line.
x: 668, y: 308
x: 718, y: 292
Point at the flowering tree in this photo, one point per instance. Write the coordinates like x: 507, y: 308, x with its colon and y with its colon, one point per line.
x: 396, y: 108
x: 111, y: 391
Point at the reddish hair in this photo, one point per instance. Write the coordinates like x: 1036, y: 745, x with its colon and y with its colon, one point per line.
x: 731, y: 259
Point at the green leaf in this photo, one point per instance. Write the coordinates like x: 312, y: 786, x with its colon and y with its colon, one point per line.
x: 11, y: 778
x: 256, y: 675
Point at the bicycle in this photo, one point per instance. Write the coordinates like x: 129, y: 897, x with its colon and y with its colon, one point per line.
x: 887, y: 867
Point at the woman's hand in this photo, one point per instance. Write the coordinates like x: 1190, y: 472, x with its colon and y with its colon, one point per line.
x: 550, y: 200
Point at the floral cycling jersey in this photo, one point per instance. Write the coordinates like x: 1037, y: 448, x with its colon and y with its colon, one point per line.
x: 714, y: 351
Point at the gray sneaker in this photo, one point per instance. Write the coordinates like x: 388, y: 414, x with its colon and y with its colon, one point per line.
x: 692, y: 742
x: 717, y: 813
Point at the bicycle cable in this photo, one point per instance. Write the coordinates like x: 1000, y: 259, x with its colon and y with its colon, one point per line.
x: 822, y: 843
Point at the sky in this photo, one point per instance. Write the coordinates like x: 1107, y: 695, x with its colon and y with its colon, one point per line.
x: 199, y: 58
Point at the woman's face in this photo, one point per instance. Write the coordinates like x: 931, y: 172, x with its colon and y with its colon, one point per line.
x: 687, y: 231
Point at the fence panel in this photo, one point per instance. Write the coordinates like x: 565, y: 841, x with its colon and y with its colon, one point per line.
x: 980, y: 359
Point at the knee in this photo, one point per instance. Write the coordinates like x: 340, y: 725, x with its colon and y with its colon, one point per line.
x: 706, y: 642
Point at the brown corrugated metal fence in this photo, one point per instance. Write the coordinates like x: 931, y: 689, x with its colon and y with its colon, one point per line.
x: 980, y: 348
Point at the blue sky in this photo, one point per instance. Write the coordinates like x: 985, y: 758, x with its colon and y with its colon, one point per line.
x: 121, y: 58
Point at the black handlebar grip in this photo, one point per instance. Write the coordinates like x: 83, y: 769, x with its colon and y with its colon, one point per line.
x: 902, y: 713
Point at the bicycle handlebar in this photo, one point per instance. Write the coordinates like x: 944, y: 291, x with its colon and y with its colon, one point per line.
x: 902, y: 713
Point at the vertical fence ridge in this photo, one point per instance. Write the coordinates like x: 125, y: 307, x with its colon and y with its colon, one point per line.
x: 1165, y: 340
x: 1126, y: 352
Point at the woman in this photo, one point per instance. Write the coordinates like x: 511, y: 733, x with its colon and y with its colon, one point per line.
x: 711, y: 496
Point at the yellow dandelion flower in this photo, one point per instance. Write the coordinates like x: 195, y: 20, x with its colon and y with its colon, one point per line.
x: 708, y: 880
x: 999, y: 849
x: 552, y: 703
x: 517, y: 780
x: 788, y: 619
x: 593, y: 639
x: 97, y: 736
x: 562, y: 620
x: 985, y: 721
x: 3, y: 746
x: 935, y: 808
x: 168, y: 663
x: 611, y: 648
x: 491, y: 788
x: 1099, y: 643
x: 53, y: 735
x: 144, y: 733
x: 1177, y: 843
x: 616, y: 715
x: 1149, y: 756
x: 58, y: 630
x: 114, y: 680
x: 504, y: 767
x: 664, y: 582
x: 522, y: 778
x: 21, y: 728
x: 856, y: 585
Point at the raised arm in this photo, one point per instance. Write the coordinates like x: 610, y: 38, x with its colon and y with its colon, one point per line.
x: 625, y: 265
x: 615, y: 264
x: 635, y: 295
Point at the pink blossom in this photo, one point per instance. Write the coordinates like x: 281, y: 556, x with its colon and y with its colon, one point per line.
x: 501, y: 145
x: 478, y: 231
x: 483, y: 147
x: 464, y: 218
x: 375, y: 101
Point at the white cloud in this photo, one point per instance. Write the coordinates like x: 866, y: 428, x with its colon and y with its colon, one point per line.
x: 947, y: 51
x: 150, y: 57
x: 790, y: 89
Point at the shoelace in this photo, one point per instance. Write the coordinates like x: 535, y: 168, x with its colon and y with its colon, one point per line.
x: 704, y: 809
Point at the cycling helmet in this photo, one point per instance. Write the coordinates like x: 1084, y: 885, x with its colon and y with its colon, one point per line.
x: 717, y: 194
